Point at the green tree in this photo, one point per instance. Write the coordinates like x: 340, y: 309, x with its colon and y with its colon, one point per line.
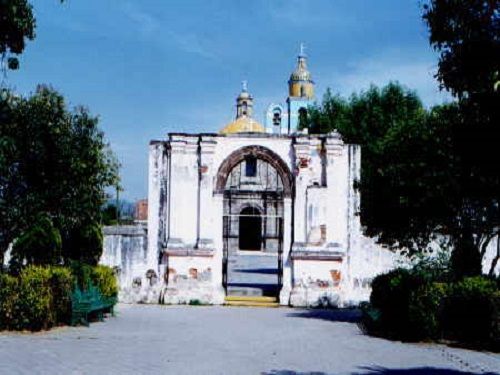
x: 467, y: 37
x: 54, y: 162
x: 381, y: 121
x: 17, y: 24
x: 407, y: 169
x: 41, y: 243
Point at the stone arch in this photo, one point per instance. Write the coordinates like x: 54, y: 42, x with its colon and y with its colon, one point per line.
x: 258, y: 152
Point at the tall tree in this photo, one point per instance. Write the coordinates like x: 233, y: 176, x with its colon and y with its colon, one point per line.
x: 466, y: 34
x: 53, y: 162
x: 405, y: 166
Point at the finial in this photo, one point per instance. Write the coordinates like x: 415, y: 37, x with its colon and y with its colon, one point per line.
x: 302, y: 49
x: 244, y: 85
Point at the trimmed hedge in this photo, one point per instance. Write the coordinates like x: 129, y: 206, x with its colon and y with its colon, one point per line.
x: 471, y: 309
x: 408, y: 305
x: 8, y: 298
x: 40, y: 297
x: 425, y: 310
x: 104, y: 278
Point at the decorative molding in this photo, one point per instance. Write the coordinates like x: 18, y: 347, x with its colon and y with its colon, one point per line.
x: 189, y: 252
x: 320, y: 255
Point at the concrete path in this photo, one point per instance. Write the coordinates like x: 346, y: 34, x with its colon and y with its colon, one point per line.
x: 223, y: 340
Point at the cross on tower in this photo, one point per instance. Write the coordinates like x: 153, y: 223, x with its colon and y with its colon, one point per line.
x: 302, y: 49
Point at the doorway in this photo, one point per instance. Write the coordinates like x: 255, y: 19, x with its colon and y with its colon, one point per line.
x: 250, y: 229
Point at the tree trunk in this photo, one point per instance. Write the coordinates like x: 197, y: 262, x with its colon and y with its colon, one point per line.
x: 496, y: 259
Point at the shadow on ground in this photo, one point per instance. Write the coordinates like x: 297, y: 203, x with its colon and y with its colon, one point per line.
x: 386, y: 371
x: 337, y: 315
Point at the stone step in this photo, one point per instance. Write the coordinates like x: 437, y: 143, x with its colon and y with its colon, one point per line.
x: 250, y: 299
x: 251, y: 289
x: 251, y: 304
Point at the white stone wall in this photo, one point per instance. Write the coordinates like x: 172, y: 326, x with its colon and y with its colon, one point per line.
x: 322, y: 262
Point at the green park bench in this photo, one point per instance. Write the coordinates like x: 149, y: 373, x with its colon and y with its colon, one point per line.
x: 88, y: 302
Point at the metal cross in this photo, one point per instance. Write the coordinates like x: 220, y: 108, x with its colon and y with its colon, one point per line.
x: 302, y: 49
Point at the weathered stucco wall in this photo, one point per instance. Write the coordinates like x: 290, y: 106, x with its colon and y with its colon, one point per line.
x: 179, y: 258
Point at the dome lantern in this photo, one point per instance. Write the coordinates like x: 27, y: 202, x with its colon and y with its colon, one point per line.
x: 244, y: 122
x: 301, y: 84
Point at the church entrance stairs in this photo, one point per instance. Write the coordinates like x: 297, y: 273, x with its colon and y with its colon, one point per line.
x: 251, y: 301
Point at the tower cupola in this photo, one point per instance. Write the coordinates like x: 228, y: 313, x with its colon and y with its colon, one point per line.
x: 244, y: 102
x: 244, y: 122
x: 301, y: 84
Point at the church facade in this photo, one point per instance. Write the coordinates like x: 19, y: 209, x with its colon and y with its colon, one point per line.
x: 254, y: 210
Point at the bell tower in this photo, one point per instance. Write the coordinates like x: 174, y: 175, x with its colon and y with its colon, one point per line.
x: 244, y: 102
x: 300, y: 91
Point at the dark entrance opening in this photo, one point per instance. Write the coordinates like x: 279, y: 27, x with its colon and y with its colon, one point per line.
x: 250, y: 229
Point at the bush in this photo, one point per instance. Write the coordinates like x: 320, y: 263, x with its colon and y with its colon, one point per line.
x: 405, y: 304
x: 391, y: 294
x: 62, y: 284
x: 471, y: 310
x: 104, y: 279
x: 82, y: 274
x: 425, y: 310
x: 8, y: 298
x: 34, y: 302
x: 40, y: 297
x: 408, y: 305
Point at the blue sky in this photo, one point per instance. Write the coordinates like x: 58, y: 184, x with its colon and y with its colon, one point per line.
x: 151, y: 67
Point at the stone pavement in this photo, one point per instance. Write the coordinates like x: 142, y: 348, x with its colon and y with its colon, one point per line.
x: 175, y: 340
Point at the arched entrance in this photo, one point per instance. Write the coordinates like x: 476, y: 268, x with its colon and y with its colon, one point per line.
x: 254, y: 182
x: 250, y: 229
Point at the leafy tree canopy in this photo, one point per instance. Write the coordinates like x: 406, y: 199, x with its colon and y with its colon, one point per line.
x: 466, y: 34
x: 410, y: 173
x: 17, y: 24
x: 398, y: 157
x: 53, y: 161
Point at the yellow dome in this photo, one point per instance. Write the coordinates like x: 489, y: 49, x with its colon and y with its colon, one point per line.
x: 243, y: 124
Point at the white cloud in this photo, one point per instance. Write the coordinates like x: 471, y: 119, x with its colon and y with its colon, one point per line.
x: 146, y: 23
x: 191, y: 43
x: 150, y: 26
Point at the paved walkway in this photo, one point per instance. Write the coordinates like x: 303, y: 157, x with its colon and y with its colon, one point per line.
x: 218, y: 340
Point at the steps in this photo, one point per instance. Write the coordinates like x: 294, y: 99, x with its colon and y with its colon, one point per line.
x: 251, y: 301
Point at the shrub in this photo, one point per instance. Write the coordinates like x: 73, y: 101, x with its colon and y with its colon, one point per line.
x: 391, y: 293
x: 34, y: 302
x: 40, y: 297
x: 104, y: 279
x: 425, y: 310
x: 62, y: 284
x: 8, y: 297
x: 471, y: 309
x: 405, y: 304
x: 82, y: 274
x: 435, y: 267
